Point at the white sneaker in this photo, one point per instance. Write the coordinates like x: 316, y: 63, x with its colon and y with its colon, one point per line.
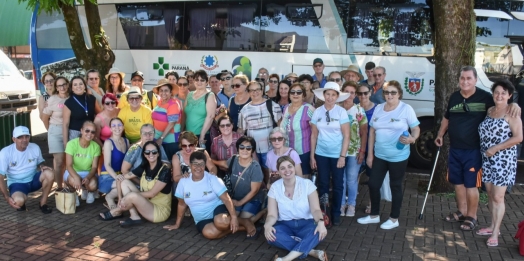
x: 368, y: 220
x: 389, y: 224
x: 84, y: 194
x: 90, y: 197
x: 351, y: 211
x: 97, y: 194
x: 77, y: 201
x: 343, y: 211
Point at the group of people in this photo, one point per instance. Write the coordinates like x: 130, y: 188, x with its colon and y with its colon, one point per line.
x: 247, y: 151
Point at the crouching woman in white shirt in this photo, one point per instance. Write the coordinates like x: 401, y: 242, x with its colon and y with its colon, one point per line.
x: 294, y: 221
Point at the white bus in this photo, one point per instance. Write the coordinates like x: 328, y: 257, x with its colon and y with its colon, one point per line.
x: 284, y: 37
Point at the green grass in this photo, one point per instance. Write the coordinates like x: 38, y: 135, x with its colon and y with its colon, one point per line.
x: 483, y: 196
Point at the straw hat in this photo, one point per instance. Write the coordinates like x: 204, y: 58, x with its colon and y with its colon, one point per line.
x: 331, y: 86
x: 291, y: 75
x: 352, y: 68
x: 113, y: 71
x: 163, y: 82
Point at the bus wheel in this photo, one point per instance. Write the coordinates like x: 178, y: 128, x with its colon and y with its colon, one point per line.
x: 421, y: 151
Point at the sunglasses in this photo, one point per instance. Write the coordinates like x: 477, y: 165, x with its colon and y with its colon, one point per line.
x: 226, y: 78
x: 198, y: 164
x: 362, y: 93
x: 377, y: 75
x: 295, y: 92
x: 110, y: 103
x: 184, y: 146
x: 236, y: 86
x: 335, y: 79
x: 200, y: 80
x: 87, y: 131
x: 465, y: 106
x: 318, y: 65
x: 242, y: 147
x: 137, y: 80
x: 190, y: 76
x: 273, y: 81
x: 276, y: 139
x: 148, y: 152
x: 225, y: 125
x: 135, y: 98
x: 292, y: 80
x: 184, y: 84
x: 391, y: 92
x: 255, y: 90
x: 328, y: 119
x: 93, y: 79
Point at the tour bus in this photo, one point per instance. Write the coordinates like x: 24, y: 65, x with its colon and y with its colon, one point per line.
x: 283, y: 37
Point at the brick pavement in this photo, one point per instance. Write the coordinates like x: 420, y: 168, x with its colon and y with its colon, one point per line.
x: 34, y: 236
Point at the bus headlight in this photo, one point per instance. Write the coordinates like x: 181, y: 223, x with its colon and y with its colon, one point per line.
x: 3, y: 96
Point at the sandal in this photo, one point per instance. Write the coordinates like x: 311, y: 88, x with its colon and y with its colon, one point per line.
x: 459, y: 217
x: 469, y: 224
x: 485, y: 232
x: 322, y: 255
x: 108, y: 207
x: 492, y: 242
x: 108, y: 216
x: 130, y: 222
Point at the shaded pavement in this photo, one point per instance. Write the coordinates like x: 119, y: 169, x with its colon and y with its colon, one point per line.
x: 82, y: 236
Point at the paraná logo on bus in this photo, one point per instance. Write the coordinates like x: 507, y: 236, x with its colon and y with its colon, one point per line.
x: 209, y: 62
x: 413, y: 84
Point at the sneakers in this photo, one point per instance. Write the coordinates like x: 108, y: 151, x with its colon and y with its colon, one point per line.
x: 90, y: 197
x: 343, y: 211
x: 84, y: 194
x: 77, y: 201
x: 368, y: 220
x: 389, y: 224
x: 350, y: 212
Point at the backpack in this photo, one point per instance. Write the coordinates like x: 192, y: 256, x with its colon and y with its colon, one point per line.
x: 269, y: 106
x: 150, y: 97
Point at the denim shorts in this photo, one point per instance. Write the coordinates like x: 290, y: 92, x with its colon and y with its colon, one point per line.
x: 28, y: 187
x: 252, y: 207
x: 105, y: 181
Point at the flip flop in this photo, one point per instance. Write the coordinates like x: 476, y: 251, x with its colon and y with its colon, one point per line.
x: 256, y: 235
x: 108, y: 216
x: 492, y: 242
x: 131, y: 222
x: 485, y: 232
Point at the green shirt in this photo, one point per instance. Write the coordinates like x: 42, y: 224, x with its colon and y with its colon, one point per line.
x: 82, y: 157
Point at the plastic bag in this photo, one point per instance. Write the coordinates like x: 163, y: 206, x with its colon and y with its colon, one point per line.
x: 385, y: 190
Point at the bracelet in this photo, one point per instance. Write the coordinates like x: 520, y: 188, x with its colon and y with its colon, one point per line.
x: 342, y: 156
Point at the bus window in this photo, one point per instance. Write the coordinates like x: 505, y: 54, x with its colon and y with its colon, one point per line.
x: 378, y: 27
x: 51, y: 32
x: 516, y: 25
x: 223, y: 25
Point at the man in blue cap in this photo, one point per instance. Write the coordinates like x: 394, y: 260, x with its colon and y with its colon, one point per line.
x: 318, y: 67
x: 23, y: 165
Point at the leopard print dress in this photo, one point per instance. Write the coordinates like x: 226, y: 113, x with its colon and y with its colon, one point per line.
x: 501, y: 168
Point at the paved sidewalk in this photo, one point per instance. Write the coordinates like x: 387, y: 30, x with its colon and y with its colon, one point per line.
x: 34, y: 236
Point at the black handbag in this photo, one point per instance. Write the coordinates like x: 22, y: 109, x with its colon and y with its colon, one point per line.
x: 227, y: 177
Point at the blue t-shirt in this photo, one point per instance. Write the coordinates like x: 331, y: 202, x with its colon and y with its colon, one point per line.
x: 322, y: 82
x: 329, y: 142
x: 389, y: 125
x: 223, y: 99
x: 20, y: 166
x: 201, y: 196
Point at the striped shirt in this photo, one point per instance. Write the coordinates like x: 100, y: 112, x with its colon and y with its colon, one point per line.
x: 220, y: 151
x: 163, y: 114
x: 258, y: 123
x: 298, y: 128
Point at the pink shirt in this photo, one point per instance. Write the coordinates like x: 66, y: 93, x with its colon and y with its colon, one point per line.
x: 55, y: 107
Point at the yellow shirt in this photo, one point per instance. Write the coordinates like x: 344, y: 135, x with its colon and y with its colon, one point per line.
x: 122, y: 102
x: 133, y: 121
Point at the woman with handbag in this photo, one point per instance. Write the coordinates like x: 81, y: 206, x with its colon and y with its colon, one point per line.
x: 294, y: 212
x: 153, y: 200
x: 223, y: 146
x: 246, y: 180
x: 278, y: 138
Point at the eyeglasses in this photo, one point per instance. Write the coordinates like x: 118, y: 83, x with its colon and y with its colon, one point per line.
x: 377, y: 75
x: 295, y: 92
x: 236, y: 86
x: 351, y: 93
x: 61, y: 85
x: 242, y: 147
x: 273, y: 81
x: 110, y: 103
x: 93, y: 79
x: 262, y: 73
x: 135, y: 98
x: 149, y: 152
x: 190, y: 76
x: 87, y: 131
x: 227, y: 78
x: 114, y: 77
x: 465, y: 106
x: 116, y: 125
x: 200, y: 80
x: 391, y: 92
x: 335, y: 79
x: 305, y: 82
x: 225, y: 125
x: 137, y: 80
x: 49, y: 81
x: 198, y: 164
x: 184, y: 84
x: 362, y: 93
x: 184, y: 146
x: 328, y: 119
x: 318, y: 65
x: 255, y: 90
x: 276, y: 139
x: 150, y: 133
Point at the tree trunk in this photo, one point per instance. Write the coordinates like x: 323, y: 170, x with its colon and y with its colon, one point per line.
x: 455, y: 31
x: 99, y: 56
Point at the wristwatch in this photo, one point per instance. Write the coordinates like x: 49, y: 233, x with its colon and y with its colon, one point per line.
x: 316, y: 222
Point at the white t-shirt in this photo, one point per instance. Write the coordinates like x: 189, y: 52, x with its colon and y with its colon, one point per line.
x: 329, y: 142
x: 201, y: 196
x: 389, y: 125
x: 296, y: 208
x: 20, y: 166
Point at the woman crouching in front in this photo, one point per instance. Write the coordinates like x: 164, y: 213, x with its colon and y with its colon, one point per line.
x: 294, y: 212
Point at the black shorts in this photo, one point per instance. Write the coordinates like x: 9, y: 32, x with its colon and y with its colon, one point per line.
x: 220, y: 209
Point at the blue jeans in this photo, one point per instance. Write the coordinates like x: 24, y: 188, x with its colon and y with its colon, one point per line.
x: 296, y: 235
x: 262, y: 157
x: 327, y: 169
x: 350, y: 181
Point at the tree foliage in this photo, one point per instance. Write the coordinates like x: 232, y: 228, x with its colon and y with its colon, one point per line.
x: 99, y: 56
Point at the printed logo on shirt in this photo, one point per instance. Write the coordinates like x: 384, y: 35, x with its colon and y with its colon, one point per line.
x: 80, y: 155
x: 207, y: 193
x: 13, y: 164
x: 394, y: 120
x: 187, y: 195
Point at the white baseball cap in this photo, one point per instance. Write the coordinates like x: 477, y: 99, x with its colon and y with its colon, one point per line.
x: 20, y: 131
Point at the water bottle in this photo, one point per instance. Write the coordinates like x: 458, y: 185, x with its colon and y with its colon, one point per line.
x: 400, y: 145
